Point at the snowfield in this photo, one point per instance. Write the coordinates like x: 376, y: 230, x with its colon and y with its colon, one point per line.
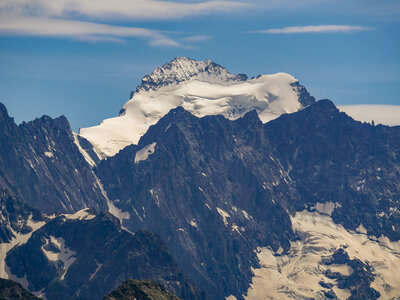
x: 296, y: 275
x: 202, y: 93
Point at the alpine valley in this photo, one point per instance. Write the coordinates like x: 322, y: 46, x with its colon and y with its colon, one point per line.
x: 208, y: 185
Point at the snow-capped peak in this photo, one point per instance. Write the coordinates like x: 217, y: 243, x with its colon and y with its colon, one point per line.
x: 182, y: 69
x: 202, y: 88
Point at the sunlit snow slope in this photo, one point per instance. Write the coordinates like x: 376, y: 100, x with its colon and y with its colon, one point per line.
x: 202, y: 88
x: 297, y: 274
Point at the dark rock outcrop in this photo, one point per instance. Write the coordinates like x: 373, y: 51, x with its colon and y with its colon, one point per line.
x: 10, y: 290
x: 140, y: 290
x: 360, y: 279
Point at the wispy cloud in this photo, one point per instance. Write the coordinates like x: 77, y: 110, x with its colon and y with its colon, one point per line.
x: 117, y: 9
x: 313, y: 29
x: 388, y: 9
x: 86, y: 20
x: 196, y: 38
x: 80, y: 30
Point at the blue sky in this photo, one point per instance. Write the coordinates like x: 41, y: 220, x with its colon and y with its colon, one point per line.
x: 83, y: 58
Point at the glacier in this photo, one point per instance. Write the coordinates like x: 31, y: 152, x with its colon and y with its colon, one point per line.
x: 201, y: 87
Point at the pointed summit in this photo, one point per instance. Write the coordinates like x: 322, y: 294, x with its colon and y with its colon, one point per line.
x: 182, y: 69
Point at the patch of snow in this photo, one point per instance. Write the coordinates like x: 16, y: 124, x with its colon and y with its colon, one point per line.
x: 380, y: 114
x: 140, y: 218
x: 144, y: 153
x: 22, y: 281
x: 97, y: 269
x: 19, y: 239
x: 40, y: 294
x: 48, y: 154
x: 87, y: 157
x: 269, y: 95
x: 193, y: 223
x: 361, y: 229
x: 224, y: 215
x: 117, y: 212
x: 155, y: 196
x: 112, y: 209
x: 297, y: 273
x: 326, y: 208
x: 237, y: 228
x: 31, y: 165
x: 83, y: 214
x: 64, y: 254
x: 246, y: 215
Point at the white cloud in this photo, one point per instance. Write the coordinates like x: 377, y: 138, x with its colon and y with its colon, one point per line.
x: 117, y: 9
x: 196, y: 38
x: 313, y: 29
x: 85, y: 19
x: 380, y: 114
x: 80, y: 30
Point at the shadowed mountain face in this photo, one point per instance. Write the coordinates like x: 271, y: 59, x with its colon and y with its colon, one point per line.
x: 14, y: 216
x: 215, y: 190
x: 41, y: 164
x: 200, y: 192
x: 84, y: 256
x: 332, y: 158
x: 141, y: 290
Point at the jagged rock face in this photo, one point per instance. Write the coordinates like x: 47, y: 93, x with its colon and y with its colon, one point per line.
x: 10, y: 290
x: 202, y: 191
x: 215, y: 190
x: 305, y: 98
x: 141, y: 290
x: 184, y: 69
x: 14, y: 216
x: 333, y: 159
x: 83, y: 256
x: 41, y: 164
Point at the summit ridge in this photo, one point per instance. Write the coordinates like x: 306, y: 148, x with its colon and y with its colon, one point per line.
x: 184, y: 69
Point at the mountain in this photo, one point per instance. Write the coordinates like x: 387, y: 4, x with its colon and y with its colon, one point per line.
x: 141, y: 290
x: 84, y: 256
x: 195, y: 190
x: 226, y: 195
x: 202, y: 88
x: 10, y: 290
x: 43, y: 163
